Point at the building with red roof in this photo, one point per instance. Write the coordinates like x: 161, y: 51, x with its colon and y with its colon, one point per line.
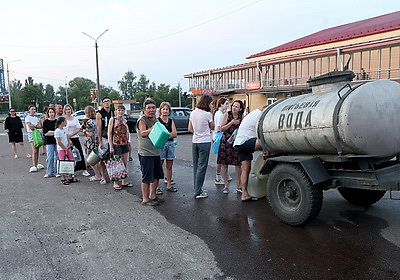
x: 370, y: 48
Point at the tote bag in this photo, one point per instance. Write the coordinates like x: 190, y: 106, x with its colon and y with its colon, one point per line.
x: 116, y: 169
x: 37, y: 138
x: 65, y: 166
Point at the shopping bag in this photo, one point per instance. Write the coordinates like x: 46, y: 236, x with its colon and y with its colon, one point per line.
x: 65, y: 166
x: 217, y: 141
x: 37, y: 138
x: 115, y: 168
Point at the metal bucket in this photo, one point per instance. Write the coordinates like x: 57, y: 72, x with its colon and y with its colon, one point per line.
x: 93, y: 158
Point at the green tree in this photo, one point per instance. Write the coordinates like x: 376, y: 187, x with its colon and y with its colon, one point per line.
x: 79, y: 89
x: 128, y: 85
x: 49, y: 94
x: 32, y: 94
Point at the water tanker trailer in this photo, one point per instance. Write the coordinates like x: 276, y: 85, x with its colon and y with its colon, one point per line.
x: 340, y: 136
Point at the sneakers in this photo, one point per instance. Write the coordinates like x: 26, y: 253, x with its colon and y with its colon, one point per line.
x: 130, y: 158
x: 229, y: 178
x: 149, y: 203
x: 46, y: 175
x: 40, y: 166
x: 202, y: 195
x: 33, y: 169
x: 172, y: 181
x: 57, y: 175
x: 15, y: 156
x: 225, y: 191
x: 103, y: 182
x: 239, y: 190
x: 219, y: 181
x: 86, y: 173
x: 28, y: 156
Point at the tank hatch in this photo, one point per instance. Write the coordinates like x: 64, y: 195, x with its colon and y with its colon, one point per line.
x: 332, y: 77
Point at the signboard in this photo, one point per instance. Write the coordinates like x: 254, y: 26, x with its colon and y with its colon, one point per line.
x: 253, y: 85
x: 4, y: 97
x: 204, y: 91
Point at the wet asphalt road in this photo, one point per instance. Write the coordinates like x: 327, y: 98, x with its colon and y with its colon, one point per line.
x: 89, y: 231
x: 249, y: 242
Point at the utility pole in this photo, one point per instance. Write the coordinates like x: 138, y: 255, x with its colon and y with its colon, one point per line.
x: 98, y: 92
x: 66, y: 90
x: 8, y: 82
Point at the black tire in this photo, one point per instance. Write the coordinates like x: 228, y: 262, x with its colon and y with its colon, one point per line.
x: 361, y: 197
x: 292, y: 196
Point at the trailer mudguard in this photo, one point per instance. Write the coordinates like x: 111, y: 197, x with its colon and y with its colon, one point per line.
x: 311, y: 165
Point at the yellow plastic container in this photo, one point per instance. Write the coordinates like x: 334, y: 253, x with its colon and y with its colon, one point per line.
x: 159, y: 135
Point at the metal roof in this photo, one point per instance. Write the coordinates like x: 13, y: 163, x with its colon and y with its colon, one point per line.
x: 348, y: 31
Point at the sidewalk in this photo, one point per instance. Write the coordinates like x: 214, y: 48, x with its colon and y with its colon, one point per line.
x: 88, y: 231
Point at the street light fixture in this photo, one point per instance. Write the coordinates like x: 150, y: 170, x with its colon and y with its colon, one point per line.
x: 97, y: 64
x: 8, y: 82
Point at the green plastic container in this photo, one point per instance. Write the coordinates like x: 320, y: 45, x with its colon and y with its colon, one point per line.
x: 257, y: 186
x: 159, y: 135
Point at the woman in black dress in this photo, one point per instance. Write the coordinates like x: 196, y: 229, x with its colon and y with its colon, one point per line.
x: 13, y: 126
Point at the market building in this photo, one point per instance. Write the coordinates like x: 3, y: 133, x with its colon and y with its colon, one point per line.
x: 370, y: 48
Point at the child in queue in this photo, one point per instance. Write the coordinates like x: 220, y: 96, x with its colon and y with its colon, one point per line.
x: 64, y: 148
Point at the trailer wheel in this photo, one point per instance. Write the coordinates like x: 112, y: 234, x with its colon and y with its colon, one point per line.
x: 361, y: 197
x: 292, y: 196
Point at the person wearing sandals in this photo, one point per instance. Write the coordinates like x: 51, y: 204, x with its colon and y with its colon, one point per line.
x: 32, y: 122
x: 118, y: 136
x: 49, y: 126
x: 200, y: 124
x: 227, y: 153
x: 103, y: 117
x: 73, y: 128
x: 149, y: 155
x: 168, y: 152
x: 64, y: 145
x: 13, y: 126
x: 89, y: 128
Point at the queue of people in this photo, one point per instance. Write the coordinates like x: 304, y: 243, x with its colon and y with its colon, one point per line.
x: 106, y: 133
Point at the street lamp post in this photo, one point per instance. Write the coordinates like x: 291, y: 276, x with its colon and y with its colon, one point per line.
x: 97, y: 65
x: 8, y: 82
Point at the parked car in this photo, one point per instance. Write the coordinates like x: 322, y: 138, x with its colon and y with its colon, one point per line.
x: 180, y: 115
x: 80, y: 115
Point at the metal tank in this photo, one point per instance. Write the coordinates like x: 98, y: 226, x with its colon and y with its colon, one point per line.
x: 336, y: 118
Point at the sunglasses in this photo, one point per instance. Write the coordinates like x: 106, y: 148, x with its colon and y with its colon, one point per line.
x: 12, y: 111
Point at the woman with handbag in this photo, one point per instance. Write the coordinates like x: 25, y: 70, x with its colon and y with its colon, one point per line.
x: 32, y: 123
x: 63, y: 149
x: 13, y: 126
x: 118, y: 136
x: 227, y: 154
x: 73, y: 128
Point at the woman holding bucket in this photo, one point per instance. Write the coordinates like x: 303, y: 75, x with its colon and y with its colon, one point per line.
x: 89, y: 128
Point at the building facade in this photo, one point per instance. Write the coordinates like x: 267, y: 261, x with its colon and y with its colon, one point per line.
x: 370, y: 48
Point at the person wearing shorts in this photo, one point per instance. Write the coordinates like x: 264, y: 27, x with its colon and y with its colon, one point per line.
x: 118, y: 136
x: 246, y: 143
x: 149, y: 155
x: 168, y: 152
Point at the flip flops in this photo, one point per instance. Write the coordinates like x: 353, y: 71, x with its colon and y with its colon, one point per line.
x: 128, y: 185
x: 172, y: 189
x: 251, y: 198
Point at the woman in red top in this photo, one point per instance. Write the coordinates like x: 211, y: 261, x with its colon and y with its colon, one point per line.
x: 118, y: 136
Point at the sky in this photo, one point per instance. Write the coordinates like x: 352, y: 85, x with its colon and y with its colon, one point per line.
x: 162, y: 39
